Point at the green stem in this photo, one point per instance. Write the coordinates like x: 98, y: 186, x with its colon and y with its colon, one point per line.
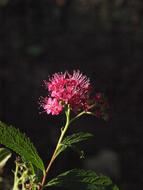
x: 15, y: 186
x: 82, y: 113
x: 63, y: 131
x: 76, y: 117
x: 33, y: 173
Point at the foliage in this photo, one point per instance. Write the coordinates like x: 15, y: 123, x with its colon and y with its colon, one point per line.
x: 80, y: 179
x: 13, y: 139
x: 5, y: 154
x: 73, y: 139
x: 69, y: 92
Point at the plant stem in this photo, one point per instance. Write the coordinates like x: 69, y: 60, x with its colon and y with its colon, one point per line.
x: 15, y: 186
x: 76, y: 117
x: 63, y: 131
x: 82, y: 113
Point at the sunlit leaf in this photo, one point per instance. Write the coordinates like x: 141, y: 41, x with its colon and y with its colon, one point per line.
x: 13, y: 139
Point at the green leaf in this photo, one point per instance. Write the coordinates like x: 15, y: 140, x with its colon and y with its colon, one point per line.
x: 80, y: 179
x: 73, y: 139
x: 5, y: 154
x: 13, y: 139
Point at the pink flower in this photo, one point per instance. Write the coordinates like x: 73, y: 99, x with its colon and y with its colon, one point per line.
x: 72, y: 89
x: 51, y: 106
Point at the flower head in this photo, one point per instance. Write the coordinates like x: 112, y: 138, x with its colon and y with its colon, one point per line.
x: 72, y: 89
x: 66, y: 88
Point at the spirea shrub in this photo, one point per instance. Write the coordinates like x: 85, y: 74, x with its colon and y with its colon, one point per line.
x: 72, y: 94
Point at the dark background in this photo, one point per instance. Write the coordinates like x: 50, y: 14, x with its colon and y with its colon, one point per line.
x: 102, y: 38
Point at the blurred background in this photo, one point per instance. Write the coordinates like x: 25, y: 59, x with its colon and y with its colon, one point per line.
x: 102, y: 38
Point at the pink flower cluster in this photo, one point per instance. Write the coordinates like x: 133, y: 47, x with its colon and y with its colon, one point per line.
x: 66, y: 89
x: 73, y: 90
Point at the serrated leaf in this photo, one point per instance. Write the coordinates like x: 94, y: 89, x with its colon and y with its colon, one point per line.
x: 80, y: 179
x: 13, y: 139
x: 73, y: 139
x: 5, y: 154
